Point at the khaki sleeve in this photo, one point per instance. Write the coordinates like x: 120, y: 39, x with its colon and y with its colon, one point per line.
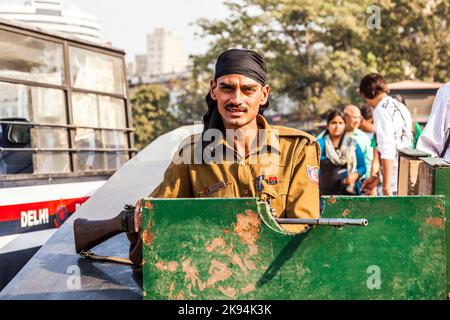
x: 176, y: 183
x: 303, y: 195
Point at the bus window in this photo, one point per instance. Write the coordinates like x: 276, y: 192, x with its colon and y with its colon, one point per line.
x: 51, y: 138
x: 103, y: 114
x: 90, y: 161
x: 115, y: 159
x: 17, y: 103
x: 89, y: 139
x: 15, y: 136
x: 95, y: 71
x: 112, y: 112
x: 42, y: 105
x: 85, y: 109
x: 71, y: 100
x: 115, y: 139
x: 2, y: 162
x: 14, y: 100
x: 28, y: 58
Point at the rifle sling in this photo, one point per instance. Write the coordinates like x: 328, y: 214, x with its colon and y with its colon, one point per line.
x: 93, y: 256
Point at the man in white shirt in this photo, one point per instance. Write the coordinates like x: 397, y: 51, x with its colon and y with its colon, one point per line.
x: 437, y: 131
x: 393, y: 127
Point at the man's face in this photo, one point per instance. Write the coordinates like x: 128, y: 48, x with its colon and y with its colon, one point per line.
x: 352, y: 118
x: 238, y: 99
x: 367, y: 125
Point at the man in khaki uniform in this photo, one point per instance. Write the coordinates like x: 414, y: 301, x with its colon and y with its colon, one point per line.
x: 247, y: 157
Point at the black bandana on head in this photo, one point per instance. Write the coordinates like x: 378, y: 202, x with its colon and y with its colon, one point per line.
x: 235, y: 61
x: 240, y: 61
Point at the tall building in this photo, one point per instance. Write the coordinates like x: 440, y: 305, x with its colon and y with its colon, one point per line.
x: 165, y: 53
x: 50, y: 15
x: 141, y: 64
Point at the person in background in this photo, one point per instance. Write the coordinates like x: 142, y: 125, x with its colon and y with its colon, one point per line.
x: 342, y: 160
x: 352, y: 116
x: 393, y: 128
x: 367, y: 121
x: 435, y: 138
x: 368, y: 128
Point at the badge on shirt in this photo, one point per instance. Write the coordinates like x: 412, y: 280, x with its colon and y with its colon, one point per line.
x: 272, y: 180
x: 313, y: 173
x: 215, y: 187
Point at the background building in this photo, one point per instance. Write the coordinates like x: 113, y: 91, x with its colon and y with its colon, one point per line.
x: 165, y: 53
x: 50, y: 15
x: 418, y: 95
x: 140, y: 64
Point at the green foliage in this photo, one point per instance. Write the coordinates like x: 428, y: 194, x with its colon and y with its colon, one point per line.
x: 317, y: 51
x: 414, y: 40
x: 191, y: 103
x: 151, y: 116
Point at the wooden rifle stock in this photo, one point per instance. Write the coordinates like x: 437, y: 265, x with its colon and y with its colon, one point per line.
x: 90, y: 233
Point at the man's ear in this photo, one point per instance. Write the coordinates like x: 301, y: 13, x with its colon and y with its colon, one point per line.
x: 212, y: 88
x: 265, y: 97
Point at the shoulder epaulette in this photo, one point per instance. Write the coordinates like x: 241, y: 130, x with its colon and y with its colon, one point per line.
x: 291, y: 132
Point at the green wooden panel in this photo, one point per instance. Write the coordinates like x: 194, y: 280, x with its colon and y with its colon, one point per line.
x: 442, y: 187
x: 230, y: 249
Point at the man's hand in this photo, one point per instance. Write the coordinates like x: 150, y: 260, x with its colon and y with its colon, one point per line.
x: 370, y: 183
x: 138, y: 216
x: 351, y: 179
x: 370, y: 192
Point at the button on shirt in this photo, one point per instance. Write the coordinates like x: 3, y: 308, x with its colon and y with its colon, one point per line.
x: 437, y: 130
x: 393, y: 128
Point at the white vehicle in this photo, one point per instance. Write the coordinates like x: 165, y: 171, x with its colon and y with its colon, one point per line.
x: 65, y: 128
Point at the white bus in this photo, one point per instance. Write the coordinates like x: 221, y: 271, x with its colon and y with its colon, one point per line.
x: 65, y: 128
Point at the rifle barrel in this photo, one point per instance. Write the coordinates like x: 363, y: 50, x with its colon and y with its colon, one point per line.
x: 325, y: 221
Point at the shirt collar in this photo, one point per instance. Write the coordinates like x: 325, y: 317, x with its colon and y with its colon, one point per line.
x: 382, y: 101
x: 269, y: 137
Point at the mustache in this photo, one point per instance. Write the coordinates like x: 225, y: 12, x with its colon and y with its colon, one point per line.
x: 232, y: 106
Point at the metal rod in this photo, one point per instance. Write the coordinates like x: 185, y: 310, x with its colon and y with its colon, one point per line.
x: 67, y: 150
x: 325, y: 221
x: 64, y: 126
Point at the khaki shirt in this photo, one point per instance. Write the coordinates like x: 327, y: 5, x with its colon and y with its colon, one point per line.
x: 288, y: 181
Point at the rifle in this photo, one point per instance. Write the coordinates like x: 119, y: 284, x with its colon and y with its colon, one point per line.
x: 335, y: 222
x: 90, y: 233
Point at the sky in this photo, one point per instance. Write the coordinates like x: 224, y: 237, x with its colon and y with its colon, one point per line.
x: 125, y: 23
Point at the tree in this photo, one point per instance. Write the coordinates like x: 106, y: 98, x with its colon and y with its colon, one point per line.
x: 307, y: 45
x: 151, y: 117
x: 317, y: 51
x: 191, y: 103
x: 413, y: 41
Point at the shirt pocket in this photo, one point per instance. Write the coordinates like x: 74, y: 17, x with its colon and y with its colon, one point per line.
x: 217, y: 190
x: 275, y: 194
